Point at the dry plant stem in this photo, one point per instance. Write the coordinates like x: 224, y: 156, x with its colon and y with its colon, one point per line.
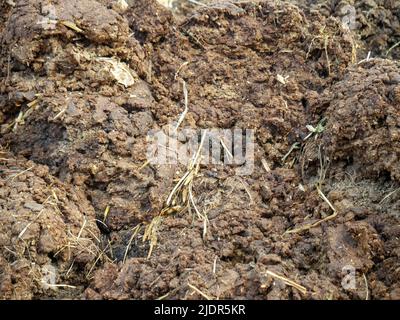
x: 323, y: 165
x: 150, y: 233
x: 188, y: 176
x: 58, y: 285
x: 200, y: 292
x: 199, y: 215
x: 144, y: 165
x: 35, y: 219
x: 392, y: 47
x: 59, y: 114
x: 168, y: 293
x: 70, y: 268
x: 294, y: 146
x: 389, y: 195
x: 246, y: 188
x: 265, y: 165
x: 312, y: 225
x: 287, y: 281
x: 326, y: 54
x: 71, y: 25
x: 180, y: 193
x: 215, y: 265
x: 177, y: 187
x: 183, y: 115
x: 8, y: 69
x: 180, y: 68
x: 366, y: 287
x: 198, y: 3
x: 29, y: 224
x: 97, y: 259
x: 198, y: 153
x: 228, y: 152
x: 83, y: 227
x: 106, y: 212
x: 18, y: 174
x: 135, y: 232
x: 326, y: 42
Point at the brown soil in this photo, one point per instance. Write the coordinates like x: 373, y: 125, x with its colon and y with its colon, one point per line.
x: 45, y: 226
x: 377, y: 22
x: 81, y: 132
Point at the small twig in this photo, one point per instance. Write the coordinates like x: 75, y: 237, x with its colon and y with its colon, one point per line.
x: 389, y: 195
x: 189, y: 173
x: 59, y: 114
x: 9, y: 250
x: 149, y: 71
x: 245, y: 186
x: 150, y: 233
x: 181, y: 190
x: 135, y: 231
x: 197, y: 155
x: 287, y: 281
x: 197, y: 2
x: 200, y: 292
x: 70, y: 268
x: 144, y: 165
x: 82, y: 228
x: 8, y: 69
x: 215, y: 265
x: 29, y: 224
x: 168, y: 293
x: 228, y: 152
x: 366, y: 287
x: 326, y: 54
x: 368, y: 58
x: 182, y: 117
x: 392, y: 47
x: 177, y: 187
x: 294, y: 146
x: 71, y: 25
x: 180, y: 68
x: 58, y: 285
x: 106, y: 211
x: 95, y: 262
x: 199, y: 215
x: 312, y: 225
x: 265, y: 165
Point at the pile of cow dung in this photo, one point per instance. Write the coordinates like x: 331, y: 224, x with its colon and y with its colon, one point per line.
x: 84, y: 214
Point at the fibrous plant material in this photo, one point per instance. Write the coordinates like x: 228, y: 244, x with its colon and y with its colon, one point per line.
x: 180, y: 198
x: 317, y: 223
x: 267, y: 66
x: 287, y: 281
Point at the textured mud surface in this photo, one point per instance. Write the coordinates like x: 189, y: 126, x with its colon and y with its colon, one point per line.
x: 46, y: 227
x: 376, y: 22
x: 79, y: 94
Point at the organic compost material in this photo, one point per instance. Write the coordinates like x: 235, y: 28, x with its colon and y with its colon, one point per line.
x: 86, y: 214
